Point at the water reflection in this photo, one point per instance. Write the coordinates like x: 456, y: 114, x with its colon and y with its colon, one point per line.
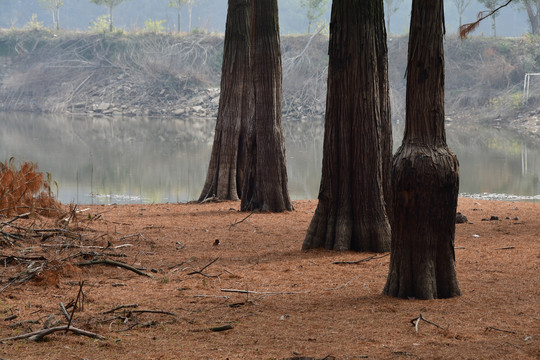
x: 134, y: 160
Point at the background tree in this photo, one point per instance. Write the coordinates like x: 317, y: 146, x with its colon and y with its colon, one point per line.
x: 314, y: 10
x: 532, y: 7
x: 225, y: 172
x: 390, y: 7
x: 178, y: 5
x: 265, y: 179
x: 461, y: 6
x: 110, y: 5
x: 54, y: 6
x: 425, y: 173
x: 351, y: 211
x: 189, y: 4
x: 492, y: 5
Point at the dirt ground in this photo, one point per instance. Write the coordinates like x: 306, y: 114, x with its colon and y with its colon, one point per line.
x: 284, y: 302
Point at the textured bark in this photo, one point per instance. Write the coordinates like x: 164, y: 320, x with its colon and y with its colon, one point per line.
x: 386, y: 118
x: 351, y: 212
x: 225, y: 172
x: 265, y: 185
x: 425, y: 173
x: 534, y: 16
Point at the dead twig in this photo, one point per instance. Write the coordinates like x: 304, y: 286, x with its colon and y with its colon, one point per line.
x: 501, y: 330
x: 114, y: 263
x: 70, y: 318
x: 152, y: 312
x: 241, y: 221
x: 66, y: 314
x: 120, y: 307
x: 506, y: 248
x: 40, y: 334
x: 266, y: 292
x: 361, y: 260
x: 416, y: 321
x: 200, y: 272
x: 221, y: 328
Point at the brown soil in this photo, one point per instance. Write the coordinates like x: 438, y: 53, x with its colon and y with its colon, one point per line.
x: 302, y: 304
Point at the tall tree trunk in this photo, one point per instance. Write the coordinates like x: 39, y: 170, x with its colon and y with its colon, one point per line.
x: 225, y: 172
x: 178, y: 21
x: 265, y: 184
x: 351, y: 211
x: 190, y: 8
x: 425, y: 172
x: 534, y: 18
x: 386, y: 115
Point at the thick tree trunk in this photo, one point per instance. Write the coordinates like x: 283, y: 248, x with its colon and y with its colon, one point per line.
x: 351, y: 212
x: 425, y: 173
x: 265, y: 184
x: 225, y: 172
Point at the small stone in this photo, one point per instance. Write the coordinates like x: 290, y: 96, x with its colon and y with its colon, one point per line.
x: 516, y: 218
x: 461, y: 219
x: 493, y: 218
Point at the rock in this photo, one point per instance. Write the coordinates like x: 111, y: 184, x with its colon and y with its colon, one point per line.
x: 197, y: 108
x: 179, y: 112
x: 516, y: 218
x: 103, y: 106
x: 461, y: 219
x: 494, y: 218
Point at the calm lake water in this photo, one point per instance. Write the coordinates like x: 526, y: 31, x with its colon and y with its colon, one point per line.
x: 135, y: 160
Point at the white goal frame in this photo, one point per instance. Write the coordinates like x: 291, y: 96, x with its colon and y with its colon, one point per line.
x: 526, y: 83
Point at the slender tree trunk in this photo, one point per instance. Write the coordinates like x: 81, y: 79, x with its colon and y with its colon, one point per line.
x: 178, y: 18
x: 425, y: 172
x: 190, y: 8
x: 225, y: 172
x: 265, y: 184
x: 111, y: 18
x: 351, y: 211
x: 534, y: 18
x: 386, y: 116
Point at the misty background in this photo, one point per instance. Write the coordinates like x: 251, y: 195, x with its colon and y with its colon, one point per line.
x: 210, y: 15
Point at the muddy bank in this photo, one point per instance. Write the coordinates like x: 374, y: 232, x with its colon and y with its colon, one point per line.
x: 178, y: 76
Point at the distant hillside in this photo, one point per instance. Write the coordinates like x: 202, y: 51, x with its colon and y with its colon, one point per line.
x: 148, y: 74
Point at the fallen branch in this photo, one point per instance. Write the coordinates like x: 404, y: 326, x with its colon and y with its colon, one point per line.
x: 416, y: 321
x: 40, y: 334
x: 114, y: 263
x: 361, y: 260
